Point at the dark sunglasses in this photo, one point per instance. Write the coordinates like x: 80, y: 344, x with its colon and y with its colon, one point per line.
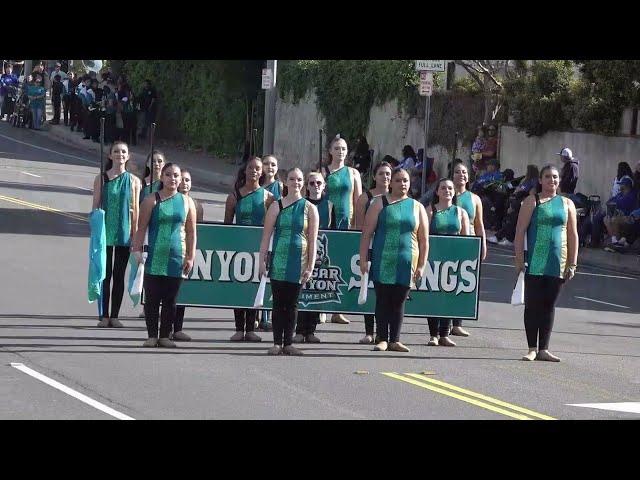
x: 317, y: 183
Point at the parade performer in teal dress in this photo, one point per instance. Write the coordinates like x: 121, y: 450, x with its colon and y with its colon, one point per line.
x: 548, y: 220
x: 307, y: 321
x: 294, y: 222
x: 170, y: 218
x: 380, y: 186
x: 344, y: 187
x: 473, y: 206
x: 400, y: 231
x: 120, y: 204
x: 445, y: 218
x: 248, y: 204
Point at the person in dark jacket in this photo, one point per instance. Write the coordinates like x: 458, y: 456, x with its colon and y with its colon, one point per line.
x: 569, y: 173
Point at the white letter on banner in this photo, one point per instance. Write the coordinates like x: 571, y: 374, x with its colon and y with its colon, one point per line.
x: 432, y: 276
x: 225, y: 257
x: 355, y: 271
x: 243, y: 266
x: 467, y: 276
x: 202, y: 266
x: 449, y: 280
x: 256, y: 267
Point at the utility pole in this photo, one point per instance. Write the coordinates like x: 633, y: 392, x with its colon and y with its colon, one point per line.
x: 270, y: 97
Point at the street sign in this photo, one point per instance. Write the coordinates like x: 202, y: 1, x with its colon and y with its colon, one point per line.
x: 430, y: 65
x: 267, y: 78
x: 426, y: 83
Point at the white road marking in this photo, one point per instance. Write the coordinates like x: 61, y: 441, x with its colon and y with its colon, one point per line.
x: 577, y: 273
x: 600, y: 301
x: 501, y: 255
x: 48, y: 150
x: 72, y: 392
x: 31, y: 174
x: 629, y: 407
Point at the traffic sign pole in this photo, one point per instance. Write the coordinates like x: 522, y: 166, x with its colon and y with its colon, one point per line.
x: 427, y: 110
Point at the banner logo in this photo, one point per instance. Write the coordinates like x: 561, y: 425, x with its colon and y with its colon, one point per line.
x: 326, y: 280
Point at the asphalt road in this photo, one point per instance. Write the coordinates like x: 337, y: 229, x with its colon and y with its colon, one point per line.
x: 47, y: 326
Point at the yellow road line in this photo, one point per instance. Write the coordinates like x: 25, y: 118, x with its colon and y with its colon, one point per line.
x: 467, y: 399
x: 480, y: 396
x: 45, y: 208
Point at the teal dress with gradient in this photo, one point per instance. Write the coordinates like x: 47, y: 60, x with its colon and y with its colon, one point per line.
x: 289, y: 254
x: 275, y: 189
x: 465, y: 201
x: 251, y: 209
x: 117, y: 205
x: 146, y: 191
x: 394, y: 255
x: 446, y: 222
x: 547, y: 238
x: 167, y: 236
x: 340, y: 193
x: 325, y: 211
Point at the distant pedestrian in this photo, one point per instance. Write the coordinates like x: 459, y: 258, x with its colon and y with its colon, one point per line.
x: 570, y: 171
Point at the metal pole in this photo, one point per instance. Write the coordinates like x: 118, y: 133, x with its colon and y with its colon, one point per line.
x: 101, y: 161
x: 151, y: 138
x: 270, y: 97
x: 319, y: 169
x: 426, y: 142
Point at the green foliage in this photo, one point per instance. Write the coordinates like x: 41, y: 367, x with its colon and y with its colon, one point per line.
x: 606, y: 89
x: 467, y: 85
x: 201, y: 102
x: 347, y: 89
x: 541, y: 98
x: 453, y: 112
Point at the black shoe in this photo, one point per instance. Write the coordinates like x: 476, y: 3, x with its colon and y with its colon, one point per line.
x: 86, y: 138
x: 72, y: 129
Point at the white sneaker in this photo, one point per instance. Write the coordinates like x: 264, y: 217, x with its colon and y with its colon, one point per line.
x: 505, y: 243
x: 622, y: 242
x: 492, y: 239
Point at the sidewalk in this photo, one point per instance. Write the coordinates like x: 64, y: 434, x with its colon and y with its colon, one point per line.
x: 220, y: 174
x: 208, y: 172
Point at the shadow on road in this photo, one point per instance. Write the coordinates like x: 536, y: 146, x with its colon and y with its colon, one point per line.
x: 45, y: 188
x: 38, y: 222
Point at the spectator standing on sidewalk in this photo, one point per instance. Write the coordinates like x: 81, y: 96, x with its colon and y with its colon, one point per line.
x: 570, y: 171
x: 57, y: 90
x: 148, y: 99
x: 68, y: 97
x: 36, y: 93
x: 8, y: 81
x: 126, y: 107
x: 549, y: 222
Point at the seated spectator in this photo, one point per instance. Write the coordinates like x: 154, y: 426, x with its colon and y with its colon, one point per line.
x: 493, y: 174
x: 624, y: 170
x: 391, y: 161
x: 490, y: 151
x: 479, y: 145
x: 620, y: 205
x: 148, y: 106
x: 528, y: 186
x: 408, y: 158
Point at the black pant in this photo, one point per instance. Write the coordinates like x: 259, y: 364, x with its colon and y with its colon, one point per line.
x: 75, y: 107
x: 245, y: 319
x: 66, y: 106
x: 160, y: 289
x: 177, y: 323
x: 109, y: 128
x: 390, y: 310
x: 540, y: 295
x: 56, y: 100
x: 306, y: 323
x: 130, y: 123
x: 369, y: 321
x: 116, y: 267
x: 439, y: 326
x: 285, y: 310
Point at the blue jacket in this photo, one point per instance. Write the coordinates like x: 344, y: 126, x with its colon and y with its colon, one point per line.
x: 625, y: 202
x: 7, y: 80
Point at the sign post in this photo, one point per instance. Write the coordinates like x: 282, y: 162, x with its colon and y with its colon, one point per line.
x: 426, y: 69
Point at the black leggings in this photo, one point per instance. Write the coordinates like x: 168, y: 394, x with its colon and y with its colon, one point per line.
x: 307, y: 322
x: 390, y: 310
x: 285, y: 310
x: 245, y: 319
x: 116, y: 267
x: 177, y: 323
x: 439, y: 326
x: 369, y: 321
x: 540, y: 295
x: 160, y: 289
